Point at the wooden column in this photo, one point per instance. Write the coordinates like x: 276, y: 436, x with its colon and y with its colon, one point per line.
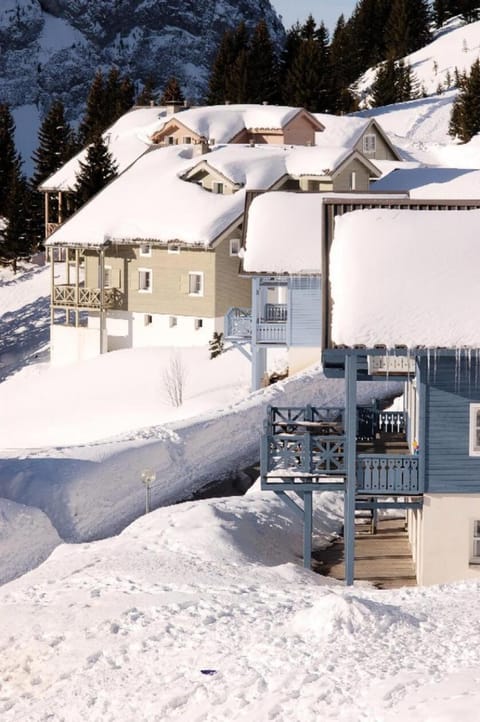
x: 307, y: 529
x: 47, y: 211
x: 52, y: 283
x: 350, y: 453
x: 77, y: 284
x: 101, y: 269
x: 60, y: 214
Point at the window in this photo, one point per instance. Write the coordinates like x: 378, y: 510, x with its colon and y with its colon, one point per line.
x: 145, y: 249
x: 144, y: 280
x: 353, y: 180
x: 173, y: 248
x: 107, y: 277
x: 147, y: 319
x: 369, y: 143
x: 474, y: 442
x: 475, y: 558
x: 172, y: 321
x: 234, y: 246
x: 217, y: 187
x: 198, y: 323
x: 187, y: 139
x: 195, y: 284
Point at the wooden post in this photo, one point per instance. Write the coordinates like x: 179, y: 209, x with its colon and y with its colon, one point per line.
x: 101, y: 260
x: 350, y: 452
x: 47, y: 211
x: 307, y: 529
x: 60, y: 214
x: 52, y: 283
x: 77, y: 284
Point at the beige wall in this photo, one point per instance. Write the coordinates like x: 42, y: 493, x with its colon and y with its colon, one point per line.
x: 382, y: 151
x: 445, y: 537
x: 231, y: 289
x: 343, y: 180
x: 299, y: 358
x: 222, y: 286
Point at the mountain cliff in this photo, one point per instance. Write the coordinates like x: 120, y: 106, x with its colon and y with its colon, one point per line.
x: 53, y: 47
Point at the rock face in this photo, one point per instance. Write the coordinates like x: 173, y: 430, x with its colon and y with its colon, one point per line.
x: 54, y: 47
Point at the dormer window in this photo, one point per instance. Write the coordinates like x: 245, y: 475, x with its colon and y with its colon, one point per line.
x: 173, y: 248
x: 217, y: 187
x: 369, y: 144
x: 145, y: 249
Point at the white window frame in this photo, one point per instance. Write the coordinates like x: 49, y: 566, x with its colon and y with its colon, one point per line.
x: 172, y: 321
x: 199, y: 275
x: 173, y: 248
x: 147, y: 319
x: 145, y: 253
x: 148, y: 286
x: 232, y: 250
x: 370, y: 144
x: 107, y: 277
x: 218, y: 187
x: 198, y: 323
x: 353, y: 180
x: 475, y: 542
x: 474, y: 430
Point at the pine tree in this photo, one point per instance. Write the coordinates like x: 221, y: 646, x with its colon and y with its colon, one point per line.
x: 228, y: 77
x: 407, y: 29
x: 465, y: 118
x: 384, y: 89
x: 172, y: 93
x: 98, y: 170
x: 147, y: 94
x: 93, y: 122
x: 307, y: 79
x: 469, y: 10
x: 56, y: 143
x: 340, y: 69
x: 262, y: 67
x: 10, y: 163
x: 18, y: 241
x: 367, y: 30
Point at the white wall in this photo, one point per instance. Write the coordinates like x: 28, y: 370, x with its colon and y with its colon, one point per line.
x: 69, y: 344
x: 160, y: 333
x: 445, y: 538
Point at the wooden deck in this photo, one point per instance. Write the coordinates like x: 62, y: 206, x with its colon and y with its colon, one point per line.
x: 384, y: 558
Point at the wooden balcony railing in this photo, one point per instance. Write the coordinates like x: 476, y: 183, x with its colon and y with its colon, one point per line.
x: 66, y: 295
x: 388, y: 474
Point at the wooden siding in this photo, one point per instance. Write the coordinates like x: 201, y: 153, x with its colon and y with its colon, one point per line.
x: 299, y: 131
x: 231, y: 290
x: 343, y: 181
x: 304, y: 316
x: 382, y: 151
x: 450, y: 388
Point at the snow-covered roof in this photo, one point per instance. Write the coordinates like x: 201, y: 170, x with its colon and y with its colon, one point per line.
x: 150, y: 201
x: 453, y: 183
x: 125, y: 142
x: 406, y: 277
x: 340, y: 129
x: 284, y: 233
x: 221, y: 123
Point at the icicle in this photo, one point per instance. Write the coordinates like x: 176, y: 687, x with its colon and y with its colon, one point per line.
x: 387, y: 366
x: 457, y: 364
x: 428, y: 364
x: 469, y: 368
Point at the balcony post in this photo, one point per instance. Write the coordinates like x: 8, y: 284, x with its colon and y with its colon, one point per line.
x: 259, y: 365
x: 350, y: 453
x: 77, y: 284
x: 307, y: 529
x: 101, y: 259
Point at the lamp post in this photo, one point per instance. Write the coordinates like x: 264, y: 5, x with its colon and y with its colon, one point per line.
x: 148, y: 477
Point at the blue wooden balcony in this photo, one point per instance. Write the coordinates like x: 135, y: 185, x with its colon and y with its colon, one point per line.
x: 304, y: 447
x: 271, y: 327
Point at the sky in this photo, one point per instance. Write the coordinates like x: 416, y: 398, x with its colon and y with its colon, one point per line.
x: 326, y: 10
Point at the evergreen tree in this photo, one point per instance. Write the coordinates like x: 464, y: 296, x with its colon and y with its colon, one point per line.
x: 228, y: 70
x: 56, y: 143
x: 394, y: 83
x: 262, y: 67
x: 367, y: 30
x: 147, y: 94
x: 172, y: 92
x: 307, y: 79
x: 93, y: 122
x: 340, y: 69
x: 407, y: 29
x: 465, y: 118
x: 17, y: 237
x: 10, y: 163
x: 469, y: 10
x: 98, y: 170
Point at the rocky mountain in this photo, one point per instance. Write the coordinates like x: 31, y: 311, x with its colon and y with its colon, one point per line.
x: 54, y: 47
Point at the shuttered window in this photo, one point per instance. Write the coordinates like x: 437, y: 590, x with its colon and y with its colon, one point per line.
x: 476, y: 543
x: 369, y: 144
x: 145, y: 280
x: 195, y: 284
x: 474, y: 430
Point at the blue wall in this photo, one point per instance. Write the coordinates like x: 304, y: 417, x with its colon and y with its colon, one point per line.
x: 450, y: 386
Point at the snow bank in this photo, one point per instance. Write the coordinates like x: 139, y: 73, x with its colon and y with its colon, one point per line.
x: 406, y: 277
x: 27, y: 537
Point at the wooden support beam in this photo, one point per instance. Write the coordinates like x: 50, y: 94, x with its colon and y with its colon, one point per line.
x: 350, y: 453
x: 290, y: 503
x: 307, y: 529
